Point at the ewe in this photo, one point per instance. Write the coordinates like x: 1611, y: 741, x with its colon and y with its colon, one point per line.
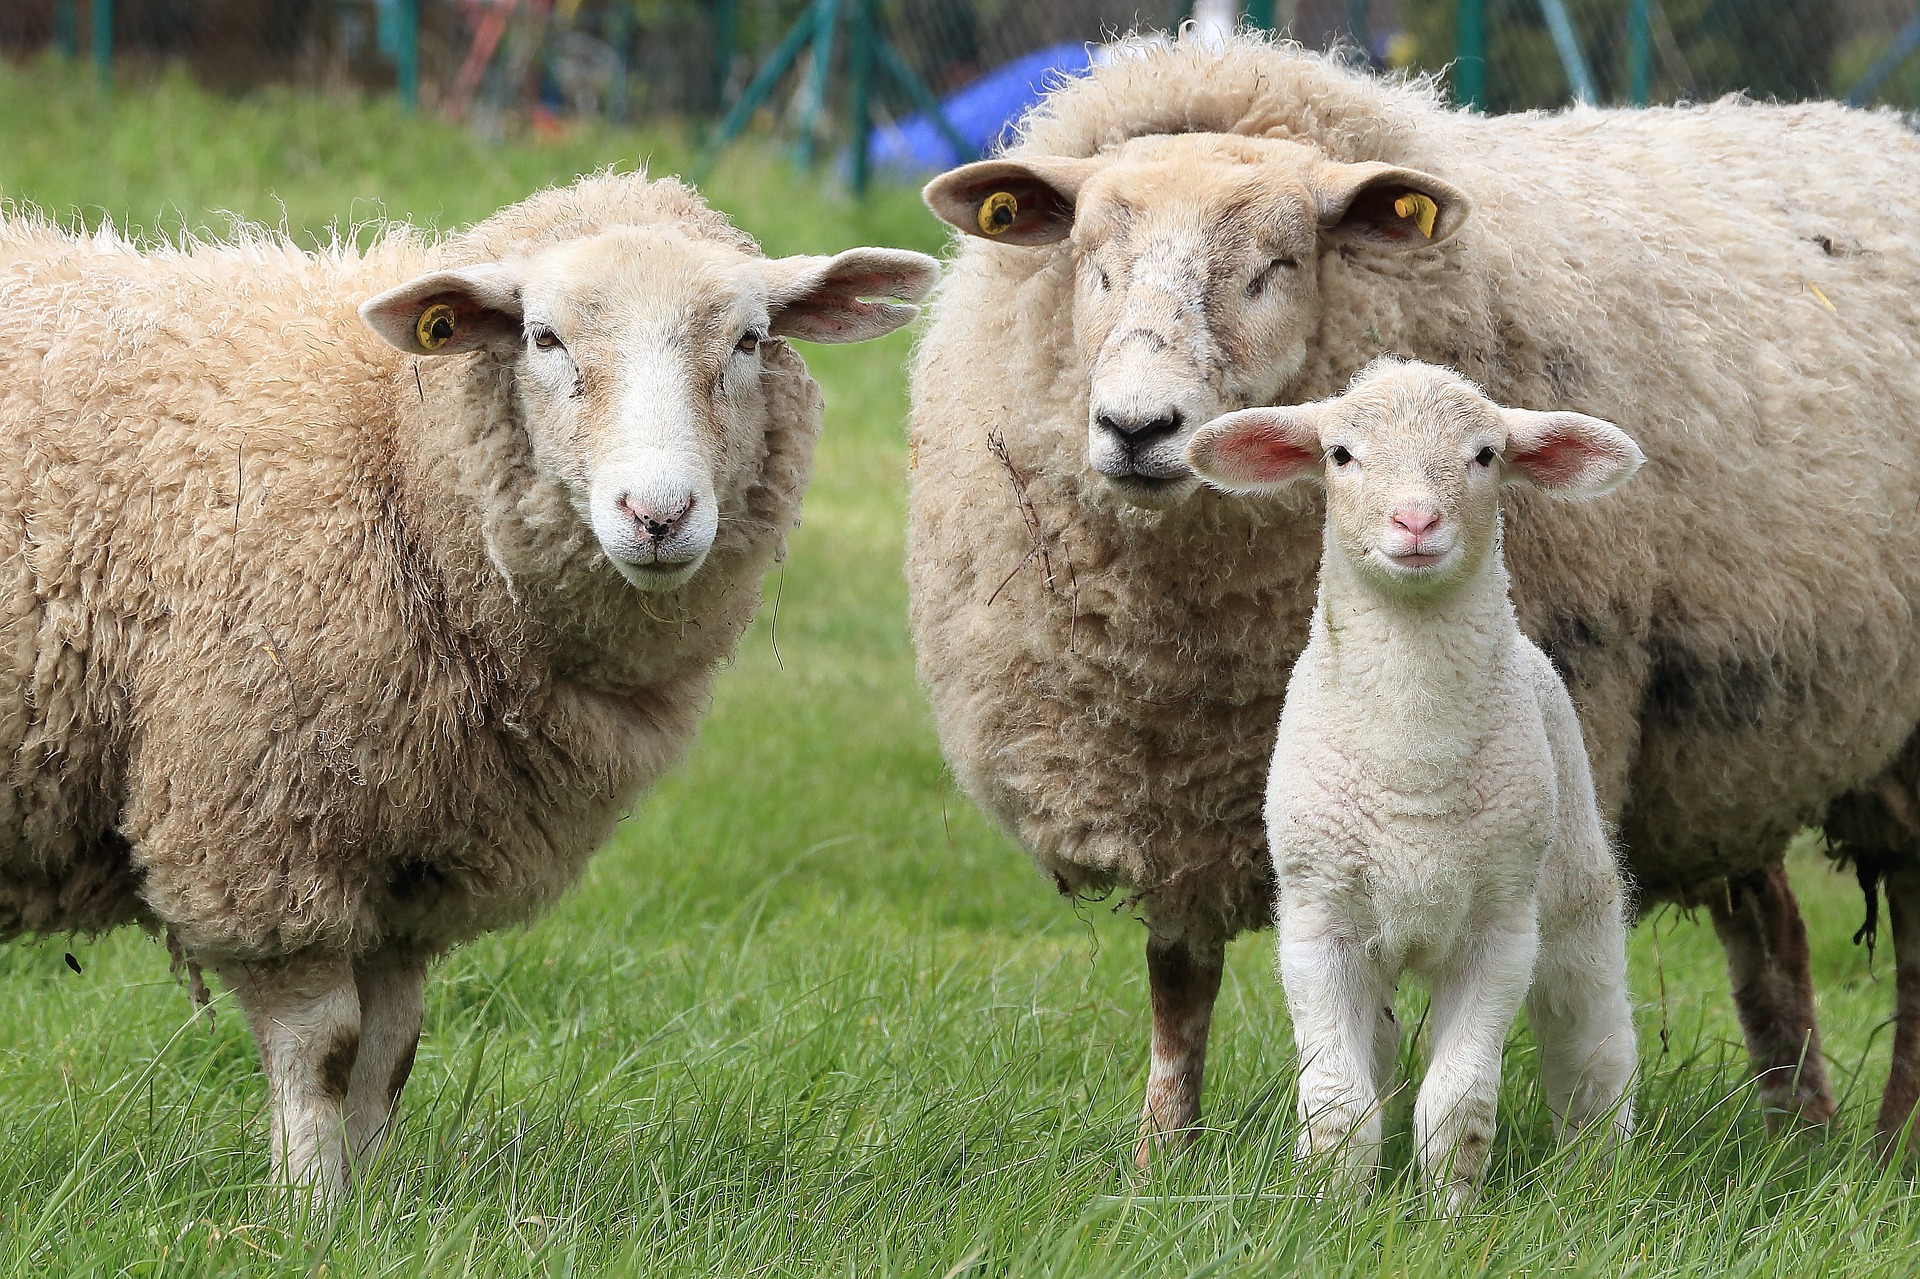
x: 1429, y: 808
x: 321, y: 658
x: 1190, y: 230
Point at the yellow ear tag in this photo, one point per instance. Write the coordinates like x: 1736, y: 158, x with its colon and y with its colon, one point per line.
x: 1420, y: 208
x: 996, y: 212
x: 434, y: 328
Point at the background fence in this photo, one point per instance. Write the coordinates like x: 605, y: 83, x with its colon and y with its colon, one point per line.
x: 938, y: 78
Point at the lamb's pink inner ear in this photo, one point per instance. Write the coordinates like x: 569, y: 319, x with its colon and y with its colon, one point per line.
x: 1256, y: 449
x: 1569, y: 454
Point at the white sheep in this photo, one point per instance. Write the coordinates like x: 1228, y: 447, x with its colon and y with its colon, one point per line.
x: 322, y: 658
x: 1195, y: 228
x: 1430, y: 808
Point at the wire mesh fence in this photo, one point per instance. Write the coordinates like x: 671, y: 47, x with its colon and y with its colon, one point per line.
x: 929, y: 81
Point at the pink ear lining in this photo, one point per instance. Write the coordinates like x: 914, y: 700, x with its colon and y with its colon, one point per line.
x: 1559, y: 461
x: 1258, y: 454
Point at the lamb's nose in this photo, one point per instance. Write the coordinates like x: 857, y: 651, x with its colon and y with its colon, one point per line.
x: 1416, y: 524
x: 1135, y: 430
x: 655, y: 525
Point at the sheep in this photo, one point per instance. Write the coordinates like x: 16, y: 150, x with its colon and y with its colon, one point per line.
x: 335, y: 639
x: 1192, y: 229
x: 1429, y: 807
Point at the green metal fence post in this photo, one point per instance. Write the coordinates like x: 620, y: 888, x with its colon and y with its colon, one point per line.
x: 406, y: 53
x: 723, y: 48
x: 860, y: 71
x: 66, y: 27
x: 103, y: 40
x: 1258, y: 13
x: 1470, y: 54
x: 1639, y: 52
x: 826, y: 17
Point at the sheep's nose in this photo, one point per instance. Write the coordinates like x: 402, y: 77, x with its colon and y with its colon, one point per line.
x: 1137, y: 430
x: 1416, y: 524
x: 655, y: 525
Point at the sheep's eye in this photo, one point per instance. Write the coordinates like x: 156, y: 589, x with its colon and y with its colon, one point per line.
x: 1100, y: 279
x: 749, y: 342
x: 545, y: 339
x: 1339, y: 455
x: 1258, y: 284
x: 1484, y: 457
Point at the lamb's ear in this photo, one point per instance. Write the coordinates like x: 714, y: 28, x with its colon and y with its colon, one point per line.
x: 1012, y: 201
x: 448, y: 312
x: 1381, y: 207
x: 827, y: 299
x: 1257, y: 450
x: 1568, y: 454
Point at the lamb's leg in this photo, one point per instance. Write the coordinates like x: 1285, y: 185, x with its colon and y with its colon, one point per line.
x: 392, y: 1001
x: 1183, y: 978
x: 1474, y: 1003
x: 1759, y: 925
x: 1582, y: 1020
x: 1334, y: 994
x: 305, y: 1016
x: 1903, y: 1080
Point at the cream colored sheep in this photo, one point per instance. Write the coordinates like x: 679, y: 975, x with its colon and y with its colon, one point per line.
x: 1430, y: 808
x: 323, y: 658
x: 1191, y: 229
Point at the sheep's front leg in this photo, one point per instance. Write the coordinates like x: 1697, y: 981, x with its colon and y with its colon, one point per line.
x: 1474, y: 1003
x: 1897, y: 1103
x: 1335, y: 996
x: 392, y: 986
x: 305, y: 1016
x: 1758, y: 922
x: 1183, y: 979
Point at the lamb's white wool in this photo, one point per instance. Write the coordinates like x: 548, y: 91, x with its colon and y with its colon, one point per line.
x: 1429, y: 807
x: 321, y: 657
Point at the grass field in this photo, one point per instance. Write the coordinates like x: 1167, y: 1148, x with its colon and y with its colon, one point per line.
x: 809, y: 1014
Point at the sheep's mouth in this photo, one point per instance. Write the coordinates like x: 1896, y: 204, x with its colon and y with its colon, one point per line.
x: 655, y: 575
x: 1153, y: 491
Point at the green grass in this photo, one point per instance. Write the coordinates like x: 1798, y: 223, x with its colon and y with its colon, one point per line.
x: 809, y: 1014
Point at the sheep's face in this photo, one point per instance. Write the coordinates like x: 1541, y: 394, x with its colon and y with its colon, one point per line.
x: 1198, y: 272
x: 638, y: 359
x: 1412, y: 458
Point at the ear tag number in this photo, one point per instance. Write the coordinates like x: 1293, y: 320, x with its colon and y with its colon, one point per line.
x: 997, y: 212
x: 434, y: 329
x: 1420, y: 208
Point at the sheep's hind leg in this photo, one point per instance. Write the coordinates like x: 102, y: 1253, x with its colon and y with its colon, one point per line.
x: 1183, y: 979
x: 305, y: 1016
x: 392, y: 1002
x: 1475, y: 1001
x: 1582, y: 1020
x: 1894, y: 1127
x: 1758, y: 922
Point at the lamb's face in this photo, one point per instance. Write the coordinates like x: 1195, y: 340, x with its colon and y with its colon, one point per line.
x: 638, y: 366
x: 1412, y: 457
x: 1198, y: 273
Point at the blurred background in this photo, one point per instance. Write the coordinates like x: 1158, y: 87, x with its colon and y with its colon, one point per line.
x: 927, y: 83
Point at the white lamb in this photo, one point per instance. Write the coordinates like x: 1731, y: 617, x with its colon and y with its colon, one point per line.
x: 1430, y: 807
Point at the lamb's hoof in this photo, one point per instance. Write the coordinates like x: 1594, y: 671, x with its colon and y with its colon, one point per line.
x: 1157, y: 1149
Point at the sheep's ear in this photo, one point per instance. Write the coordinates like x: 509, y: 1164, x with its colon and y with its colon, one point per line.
x: 449, y: 312
x: 1381, y: 207
x: 1568, y: 454
x: 1011, y: 201
x: 829, y: 299
x: 1256, y: 450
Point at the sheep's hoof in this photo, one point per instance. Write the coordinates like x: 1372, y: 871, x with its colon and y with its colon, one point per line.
x: 1157, y: 1147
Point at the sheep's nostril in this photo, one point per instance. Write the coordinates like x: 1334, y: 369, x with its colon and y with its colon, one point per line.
x: 1416, y: 524
x: 656, y: 525
x: 1135, y: 431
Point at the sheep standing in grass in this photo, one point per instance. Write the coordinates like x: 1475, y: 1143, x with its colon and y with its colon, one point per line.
x: 1190, y: 230
x: 321, y: 657
x: 1430, y: 807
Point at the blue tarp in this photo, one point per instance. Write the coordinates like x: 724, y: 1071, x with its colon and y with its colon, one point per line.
x: 983, y: 112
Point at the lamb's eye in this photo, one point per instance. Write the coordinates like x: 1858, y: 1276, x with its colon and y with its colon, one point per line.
x: 749, y: 342
x: 545, y: 338
x: 1484, y: 457
x: 1339, y: 455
